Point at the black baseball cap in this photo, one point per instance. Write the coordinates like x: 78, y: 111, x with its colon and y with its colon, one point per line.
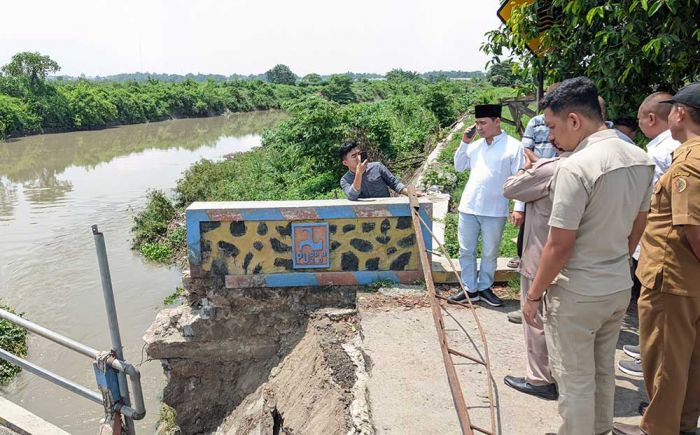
x: 688, y: 95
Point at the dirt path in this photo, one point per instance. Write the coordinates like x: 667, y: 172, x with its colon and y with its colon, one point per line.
x: 408, y: 389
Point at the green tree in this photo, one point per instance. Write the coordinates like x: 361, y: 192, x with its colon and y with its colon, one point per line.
x: 31, y: 65
x: 629, y: 48
x: 399, y: 74
x: 339, y: 89
x: 502, y: 74
x: 312, y: 79
x: 440, y: 99
x: 281, y: 74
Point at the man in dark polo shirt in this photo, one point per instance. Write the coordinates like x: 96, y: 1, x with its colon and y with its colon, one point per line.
x: 366, y: 179
x: 669, y: 271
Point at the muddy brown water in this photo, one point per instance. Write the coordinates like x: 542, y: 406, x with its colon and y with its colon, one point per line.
x: 52, y: 189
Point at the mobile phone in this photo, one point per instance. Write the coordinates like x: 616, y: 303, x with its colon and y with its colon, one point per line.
x: 471, y: 131
x: 363, y: 156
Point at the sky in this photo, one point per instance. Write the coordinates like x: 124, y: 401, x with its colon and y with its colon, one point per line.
x: 99, y: 37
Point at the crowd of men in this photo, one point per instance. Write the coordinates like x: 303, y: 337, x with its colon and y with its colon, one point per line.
x: 593, y: 206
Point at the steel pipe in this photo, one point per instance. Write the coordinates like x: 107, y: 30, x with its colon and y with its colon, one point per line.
x: 51, y: 377
x: 111, y: 308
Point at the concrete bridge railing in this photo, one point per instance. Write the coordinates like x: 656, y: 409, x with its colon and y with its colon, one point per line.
x: 305, y: 243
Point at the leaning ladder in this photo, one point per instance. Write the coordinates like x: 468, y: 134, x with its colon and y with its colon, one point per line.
x: 448, y: 352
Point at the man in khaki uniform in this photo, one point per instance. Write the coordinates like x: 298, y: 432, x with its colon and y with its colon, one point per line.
x: 669, y: 270
x: 531, y: 186
x: 601, y: 196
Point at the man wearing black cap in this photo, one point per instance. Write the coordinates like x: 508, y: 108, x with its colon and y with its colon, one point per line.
x: 669, y: 271
x: 483, y: 209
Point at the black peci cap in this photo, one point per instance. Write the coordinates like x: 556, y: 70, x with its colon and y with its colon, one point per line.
x: 487, y: 111
x: 688, y: 95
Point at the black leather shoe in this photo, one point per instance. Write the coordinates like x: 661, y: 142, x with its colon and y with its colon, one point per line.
x: 462, y: 296
x: 490, y: 298
x: 642, y: 407
x: 546, y: 392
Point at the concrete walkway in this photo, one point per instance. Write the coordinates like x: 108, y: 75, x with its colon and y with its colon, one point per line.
x: 16, y: 420
x: 408, y: 389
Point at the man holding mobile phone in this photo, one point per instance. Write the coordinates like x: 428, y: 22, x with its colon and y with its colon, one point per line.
x: 366, y: 179
x: 483, y: 209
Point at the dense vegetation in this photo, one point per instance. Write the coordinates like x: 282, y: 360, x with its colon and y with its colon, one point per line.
x: 172, y: 78
x: 299, y: 160
x: 30, y: 104
x: 630, y: 48
x: 14, y: 340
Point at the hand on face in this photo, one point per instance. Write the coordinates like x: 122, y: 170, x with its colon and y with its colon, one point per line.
x: 361, y: 166
x: 469, y: 134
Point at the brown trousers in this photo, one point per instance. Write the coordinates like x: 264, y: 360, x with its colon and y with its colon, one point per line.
x: 538, y: 371
x: 669, y: 336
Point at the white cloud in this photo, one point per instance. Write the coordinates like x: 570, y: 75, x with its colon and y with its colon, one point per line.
x: 99, y: 37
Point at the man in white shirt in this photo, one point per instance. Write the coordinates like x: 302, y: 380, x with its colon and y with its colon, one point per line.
x: 652, y: 119
x: 483, y: 209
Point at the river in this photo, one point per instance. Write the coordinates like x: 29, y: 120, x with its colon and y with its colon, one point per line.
x: 52, y: 189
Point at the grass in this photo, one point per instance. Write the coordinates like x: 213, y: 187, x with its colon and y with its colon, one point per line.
x: 512, y: 288
x: 12, y: 339
x: 157, y: 235
x: 168, y: 417
x: 174, y: 296
x: 376, y: 285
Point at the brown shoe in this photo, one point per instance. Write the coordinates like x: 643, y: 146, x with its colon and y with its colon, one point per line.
x: 513, y: 263
x: 627, y: 429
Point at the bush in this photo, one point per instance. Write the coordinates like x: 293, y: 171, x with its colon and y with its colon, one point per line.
x: 12, y: 339
x: 16, y: 117
x: 151, y: 224
x: 90, y: 106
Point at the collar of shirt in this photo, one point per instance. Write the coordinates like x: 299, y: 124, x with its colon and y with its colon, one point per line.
x: 595, y: 137
x: 692, y: 142
x: 658, y: 139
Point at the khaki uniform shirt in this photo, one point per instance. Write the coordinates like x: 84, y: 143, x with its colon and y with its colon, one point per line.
x: 667, y: 262
x: 532, y: 188
x: 599, y: 191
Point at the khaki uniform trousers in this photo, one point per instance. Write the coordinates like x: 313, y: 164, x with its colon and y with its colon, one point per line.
x: 582, y: 333
x: 538, y: 372
x: 669, y: 336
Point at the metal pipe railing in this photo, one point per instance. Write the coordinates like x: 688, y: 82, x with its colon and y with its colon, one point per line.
x: 139, y: 409
x: 114, y: 360
x: 49, y: 334
x: 52, y: 377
